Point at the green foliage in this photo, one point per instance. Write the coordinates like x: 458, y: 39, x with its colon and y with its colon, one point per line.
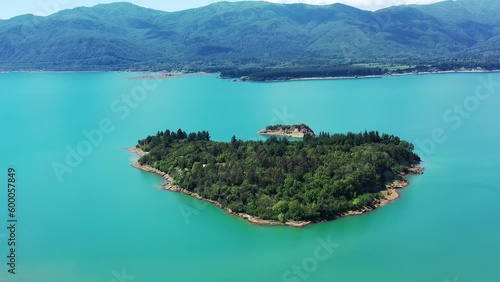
x: 300, y: 72
x: 314, y: 179
x: 263, y: 41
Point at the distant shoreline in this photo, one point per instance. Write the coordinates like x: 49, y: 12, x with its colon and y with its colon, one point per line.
x: 153, y: 73
x: 161, y: 75
x: 390, y: 195
x: 373, y: 76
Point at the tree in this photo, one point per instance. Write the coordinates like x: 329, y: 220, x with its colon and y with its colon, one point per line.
x: 281, y: 207
x: 281, y: 217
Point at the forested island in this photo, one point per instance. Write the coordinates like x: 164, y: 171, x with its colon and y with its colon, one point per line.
x: 294, y: 131
x: 282, y: 182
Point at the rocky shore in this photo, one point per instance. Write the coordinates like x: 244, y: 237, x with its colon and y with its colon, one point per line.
x: 169, y: 185
x: 294, y: 131
x: 391, y: 193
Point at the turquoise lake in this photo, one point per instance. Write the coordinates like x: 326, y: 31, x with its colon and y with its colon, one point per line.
x: 103, y: 220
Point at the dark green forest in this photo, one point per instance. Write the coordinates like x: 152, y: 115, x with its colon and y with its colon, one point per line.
x: 315, y: 179
x: 300, y: 72
x: 416, y: 66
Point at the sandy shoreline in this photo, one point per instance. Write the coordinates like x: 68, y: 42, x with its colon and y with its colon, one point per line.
x: 294, y: 134
x: 390, y: 195
x: 292, y: 131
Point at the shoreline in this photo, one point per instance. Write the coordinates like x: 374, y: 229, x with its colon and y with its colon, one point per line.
x: 154, y: 76
x: 161, y: 73
x: 280, y: 133
x: 332, y: 77
x: 168, y: 185
x: 369, y: 76
x: 158, y: 73
x: 386, y: 75
x: 389, y: 195
x: 298, y: 131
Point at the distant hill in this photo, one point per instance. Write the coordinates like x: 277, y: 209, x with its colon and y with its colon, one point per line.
x: 226, y: 35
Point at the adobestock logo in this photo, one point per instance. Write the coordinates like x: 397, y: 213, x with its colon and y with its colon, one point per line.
x: 93, y: 138
x: 188, y: 211
x: 282, y: 116
x: 121, y: 276
x: 323, y: 251
x: 456, y: 115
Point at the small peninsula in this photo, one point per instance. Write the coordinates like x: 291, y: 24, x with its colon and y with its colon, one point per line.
x: 294, y: 131
x: 282, y: 182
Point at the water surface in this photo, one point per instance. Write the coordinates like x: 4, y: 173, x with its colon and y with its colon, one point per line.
x: 105, y: 218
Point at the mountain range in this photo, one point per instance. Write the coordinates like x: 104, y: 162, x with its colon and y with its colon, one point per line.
x: 225, y: 35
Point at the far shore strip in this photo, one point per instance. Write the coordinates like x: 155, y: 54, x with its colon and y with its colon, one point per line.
x: 389, y: 195
x: 379, y: 76
x: 165, y: 75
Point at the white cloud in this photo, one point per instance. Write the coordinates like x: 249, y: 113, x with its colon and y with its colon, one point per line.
x: 362, y: 4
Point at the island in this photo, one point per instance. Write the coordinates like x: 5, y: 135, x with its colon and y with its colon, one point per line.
x: 294, y: 131
x: 283, y: 182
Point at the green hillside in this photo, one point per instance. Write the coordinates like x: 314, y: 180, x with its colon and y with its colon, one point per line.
x: 229, y: 35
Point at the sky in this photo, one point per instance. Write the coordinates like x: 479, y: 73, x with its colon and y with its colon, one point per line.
x: 10, y: 9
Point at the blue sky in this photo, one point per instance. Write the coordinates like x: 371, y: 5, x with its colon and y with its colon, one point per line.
x: 10, y: 9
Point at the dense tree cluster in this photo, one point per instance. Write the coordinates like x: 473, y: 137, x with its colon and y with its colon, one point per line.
x: 300, y: 72
x: 405, y: 66
x: 314, y: 179
x: 449, y: 65
x: 167, y: 137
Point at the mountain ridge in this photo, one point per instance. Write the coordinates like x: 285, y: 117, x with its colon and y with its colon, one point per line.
x: 225, y: 35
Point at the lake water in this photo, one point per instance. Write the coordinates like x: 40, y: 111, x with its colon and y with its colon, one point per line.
x: 84, y: 214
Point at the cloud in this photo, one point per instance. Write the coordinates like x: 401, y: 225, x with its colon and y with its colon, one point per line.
x: 362, y: 4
